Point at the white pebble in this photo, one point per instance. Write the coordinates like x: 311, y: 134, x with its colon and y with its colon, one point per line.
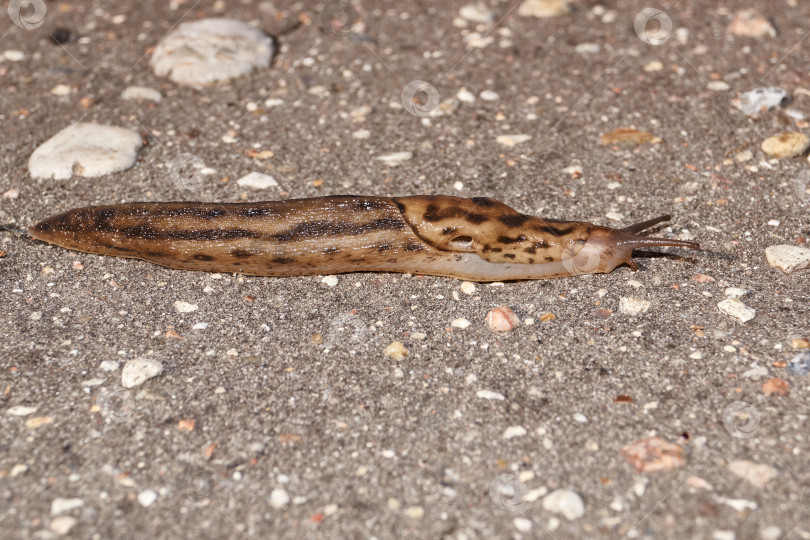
x: 200, y: 326
x: 86, y: 150
x: 147, y: 497
x: 13, y: 55
x: 60, y: 90
x: 256, y: 180
x: 139, y: 370
x: 273, y: 102
x: 415, y: 512
x: 788, y: 258
x: 279, y: 498
x: 392, y: 160
x: 458, y: 185
x: 108, y: 365
x: 184, y: 307
x: 460, y: 323
x: 522, y: 524
x: 633, y: 306
x: 615, y: 216
x: 514, y: 431
x: 361, y: 134
x: 581, y: 418
x: 724, y: 535
x: 512, y: 140
x: 718, y: 86
x: 139, y: 93
x: 211, y: 50
x: 477, y: 13
x: 467, y: 287
x: 489, y: 394
x: 63, y: 524
x: 587, y: 48
x: 465, y: 96
x: 21, y: 410
x: 489, y: 95
x: 771, y: 532
x: 565, y: 502
x: 330, y: 280
x: 735, y: 308
x: 63, y: 506
x: 734, y: 292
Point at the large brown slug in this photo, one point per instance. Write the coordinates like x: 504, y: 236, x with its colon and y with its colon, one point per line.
x: 478, y: 239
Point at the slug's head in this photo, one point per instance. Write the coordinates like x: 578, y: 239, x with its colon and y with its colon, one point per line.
x: 500, y: 234
x: 604, y: 248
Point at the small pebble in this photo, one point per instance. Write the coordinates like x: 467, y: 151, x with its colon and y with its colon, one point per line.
x: 514, y: 431
x: 745, y: 155
x: 477, y: 13
x: 465, y: 96
x: 723, y: 534
x: 629, y: 136
x: 108, y: 365
x: 512, y: 140
x: 489, y: 394
x: 21, y: 410
x: 756, y: 474
x: 361, y: 134
x: 86, y: 150
x: 460, y: 323
x: 62, y: 524
x: 654, y: 454
x: 735, y: 308
x: 489, y: 95
x: 522, y: 524
x: 63, y: 506
x: 565, y: 502
x: 37, y: 421
x: 141, y: 93
x: 273, y: 102
x: 749, y: 22
x: 800, y: 364
x: 655, y: 65
x: 633, y: 306
x: 61, y: 90
x: 13, y: 55
x: 392, y: 160
x: 760, y: 100
x: 256, y: 180
x: 200, y: 326
x: 396, y: 350
x: 771, y: 532
x: 139, y: 370
x: 147, y: 497
x: 502, y: 319
x: 331, y: 281
x: 467, y: 287
x: 786, y: 145
x: 279, y: 498
x: 184, y: 307
x: 544, y: 8
x: 718, y: 86
x: 587, y: 48
x: 206, y: 51
x: 788, y: 258
x: 776, y: 386
x: 415, y: 512
x: 734, y: 292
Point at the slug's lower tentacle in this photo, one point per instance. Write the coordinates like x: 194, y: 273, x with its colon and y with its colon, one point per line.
x: 477, y: 239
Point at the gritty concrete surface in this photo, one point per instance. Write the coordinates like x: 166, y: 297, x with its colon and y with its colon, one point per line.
x: 282, y: 418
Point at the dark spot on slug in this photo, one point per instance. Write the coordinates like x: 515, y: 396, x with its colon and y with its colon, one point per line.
x: 496, y: 250
x: 509, y: 255
x: 203, y: 257
x: 531, y: 250
x: 476, y: 219
x: 282, y: 260
x: 531, y: 261
x: 370, y: 205
x: 449, y: 230
x: 331, y: 251
x: 241, y: 253
x: 508, y: 240
x: 211, y: 214
x: 401, y: 207
x: 414, y: 246
x: 550, y: 259
x: 318, y: 229
x: 483, y: 201
x: 384, y: 247
x: 542, y: 244
x: 144, y: 231
x: 515, y: 220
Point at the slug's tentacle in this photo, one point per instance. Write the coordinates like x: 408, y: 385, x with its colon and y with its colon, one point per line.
x: 477, y: 239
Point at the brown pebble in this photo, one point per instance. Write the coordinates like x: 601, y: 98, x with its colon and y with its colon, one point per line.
x: 628, y: 136
x: 799, y: 344
x: 654, y: 454
x: 209, y: 451
x: 502, y: 319
x: 604, y: 313
x: 703, y: 278
x: 187, y: 424
x: 396, y: 350
x: 623, y: 399
x: 777, y: 386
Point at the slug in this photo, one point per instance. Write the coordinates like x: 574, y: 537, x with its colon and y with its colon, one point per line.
x: 478, y: 239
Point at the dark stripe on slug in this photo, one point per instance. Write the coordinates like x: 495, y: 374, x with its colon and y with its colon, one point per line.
x: 531, y: 250
x: 483, y: 201
x: 384, y: 247
x: 144, y: 231
x: 283, y: 260
x: 260, y: 212
x: 414, y: 246
x: 508, y: 240
x: 370, y: 205
x: 476, y: 219
x: 203, y: 257
x: 509, y: 255
x: 556, y: 231
x: 331, y: 251
x: 542, y: 244
x: 318, y: 229
x: 514, y: 221
x: 241, y: 253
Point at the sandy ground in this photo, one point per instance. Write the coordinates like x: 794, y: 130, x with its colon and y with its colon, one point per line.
x: 256, y: 429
